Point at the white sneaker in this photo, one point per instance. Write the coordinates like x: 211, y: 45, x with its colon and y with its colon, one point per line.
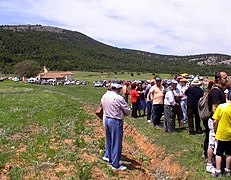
x: 149, y: 120
x: 210, y: 168
x: 106, y: 159
x: 121, y: 168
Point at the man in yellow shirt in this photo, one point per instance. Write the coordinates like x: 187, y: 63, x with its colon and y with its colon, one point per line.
x: 157, y: 91
x: 222, y: 127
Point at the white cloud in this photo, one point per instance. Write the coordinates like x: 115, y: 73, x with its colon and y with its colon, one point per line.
x: 159, y: 26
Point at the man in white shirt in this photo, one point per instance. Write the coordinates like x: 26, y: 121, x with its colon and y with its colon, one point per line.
x: 169, y: 108
x: 115, y: 108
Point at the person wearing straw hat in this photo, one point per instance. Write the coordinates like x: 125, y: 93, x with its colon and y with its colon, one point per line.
x: 183, y: 100
x: 194, y: 93
x: 178, y: 95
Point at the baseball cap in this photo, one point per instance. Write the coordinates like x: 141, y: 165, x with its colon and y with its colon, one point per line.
x: 158, y: 79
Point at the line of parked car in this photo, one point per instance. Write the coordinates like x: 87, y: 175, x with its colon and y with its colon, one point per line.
x: 106, y: 83
x: 54, y: 83
x: 46, y: 82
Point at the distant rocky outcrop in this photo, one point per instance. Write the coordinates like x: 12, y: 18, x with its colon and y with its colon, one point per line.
x: 212, y: 60
x: 36, y: 27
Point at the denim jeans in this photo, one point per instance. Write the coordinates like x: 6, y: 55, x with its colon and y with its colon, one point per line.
x: 114, y: 137
x: 184, y: 110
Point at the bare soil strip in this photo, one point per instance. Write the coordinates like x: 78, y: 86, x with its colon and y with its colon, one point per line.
x: 135, y: 154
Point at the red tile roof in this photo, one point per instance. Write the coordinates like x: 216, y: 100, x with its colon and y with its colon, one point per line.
x: 53, y: 75
x: 67, y: 73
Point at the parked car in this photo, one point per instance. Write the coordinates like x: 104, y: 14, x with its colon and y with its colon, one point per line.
x: 84, y: 83
x: 16, y: 79
x: 78, y: 82
x: 99, y: 84
x: 32, y: 80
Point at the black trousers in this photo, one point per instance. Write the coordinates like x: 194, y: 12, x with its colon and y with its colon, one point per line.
x: 192, y: 113
x: 206, y: 141
x: 158, y: 112
x: 134, y: 109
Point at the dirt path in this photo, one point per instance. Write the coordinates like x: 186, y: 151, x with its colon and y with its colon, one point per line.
x: 143, y: 159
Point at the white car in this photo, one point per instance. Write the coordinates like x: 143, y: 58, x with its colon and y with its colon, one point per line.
x: 99, y: 84
x: 32, y: 80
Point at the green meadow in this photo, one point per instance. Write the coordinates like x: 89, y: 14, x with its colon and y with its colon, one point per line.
x: 97, y: 76
x: 36, y: 120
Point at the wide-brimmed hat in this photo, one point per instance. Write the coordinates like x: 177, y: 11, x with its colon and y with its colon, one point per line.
x: 184, y: 80
x: 195, y: 82
x: 152, y: 81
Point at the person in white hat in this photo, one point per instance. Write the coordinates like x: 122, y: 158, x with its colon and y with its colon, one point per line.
x: 183, y: 100
x: 178, y: 111
x: 115, y: 108
x: 194, y: 93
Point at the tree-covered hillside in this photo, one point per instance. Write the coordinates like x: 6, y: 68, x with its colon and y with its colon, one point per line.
x: 60, y: 49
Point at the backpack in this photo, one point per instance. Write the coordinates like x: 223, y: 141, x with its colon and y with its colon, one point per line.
x: 203, y: 106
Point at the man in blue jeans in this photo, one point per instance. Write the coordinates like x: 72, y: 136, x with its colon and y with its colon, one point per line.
x: 115, y: 108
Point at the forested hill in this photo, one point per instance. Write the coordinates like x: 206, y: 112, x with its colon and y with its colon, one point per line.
x: 60, y: 49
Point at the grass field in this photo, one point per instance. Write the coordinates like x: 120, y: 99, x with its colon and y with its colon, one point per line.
x: 43, y: 126
x: 94, y: 76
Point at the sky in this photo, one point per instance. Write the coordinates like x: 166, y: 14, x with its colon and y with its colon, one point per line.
x: 171, y: 27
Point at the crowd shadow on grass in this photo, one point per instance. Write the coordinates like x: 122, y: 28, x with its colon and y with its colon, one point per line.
x: 177, y: 129
x: 131, y: 164
x: 180, y: 129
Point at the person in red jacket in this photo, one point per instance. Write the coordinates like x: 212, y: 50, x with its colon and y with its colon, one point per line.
x: 134, y: 97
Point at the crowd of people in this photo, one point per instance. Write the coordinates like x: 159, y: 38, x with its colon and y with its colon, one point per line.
x: 171, y: 99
